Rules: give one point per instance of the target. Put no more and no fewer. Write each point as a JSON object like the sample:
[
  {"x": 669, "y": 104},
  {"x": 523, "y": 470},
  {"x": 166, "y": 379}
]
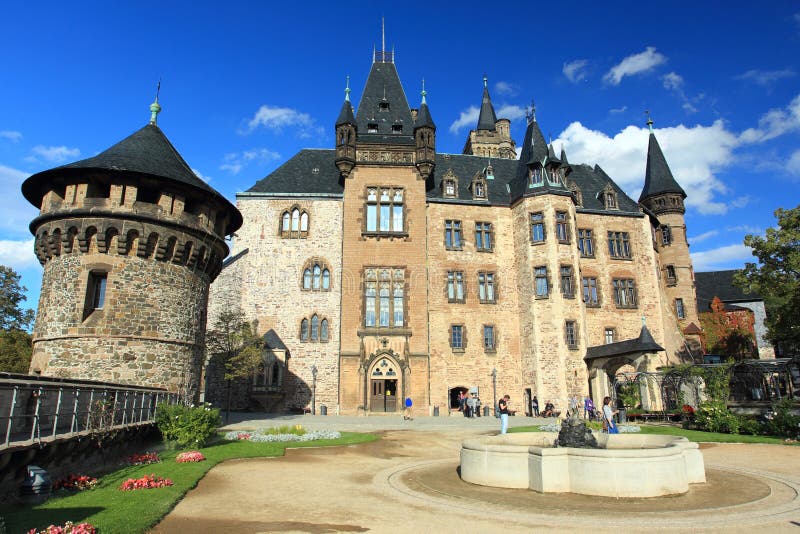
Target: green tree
[
  {"x": 12, "y": 317},
  {"x": 235, "y": 346},
  {"x": 15, "y": 351},
  {"x": 776, "y": 278}
]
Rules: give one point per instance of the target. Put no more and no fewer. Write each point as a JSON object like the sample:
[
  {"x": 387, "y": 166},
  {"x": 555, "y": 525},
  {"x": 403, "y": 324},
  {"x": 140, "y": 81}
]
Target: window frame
[
  {"x": 571, "y": 334},
  {"x": 453, "y": 231},
  {"x": 490, "y": 347},
  {"x": 462, "y": 332},
  {"x": 545, "y": 277},
  {"x": 562, "y": 227},
  {"x": 536, "y": 220},
  {"x": 294, "y": 223},
  {"x": 384, "y": 207},
  {"x": 375, "y": 282},
  {"x": 586, "y": 287},
  {"x": 619, "y": 245},
  {"x": 455, "y": 281},
  {"x": 673, "y": 279},
  {"x": 567, "y": 281},
  {"x": 609, "y": 330},
  {"x": 484, "y": 232},
  {"x": 680, "y": 308},
  {"x": 96, "y": 292},
  {"x": 666, "y": 235},
  {"x": 487, "y": 282},
  {"x": 586, "y": 237},
  {"x": 625, "y": 293}
]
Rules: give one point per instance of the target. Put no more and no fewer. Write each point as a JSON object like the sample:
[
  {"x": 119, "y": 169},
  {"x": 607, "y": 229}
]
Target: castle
[{"x": 382, "y": 269}]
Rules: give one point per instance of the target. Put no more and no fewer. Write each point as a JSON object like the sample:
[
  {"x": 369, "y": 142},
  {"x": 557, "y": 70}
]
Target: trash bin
[
  {"x": 622, "y": 415},
  {"x": 436, "y": 411},
  {"x": 486, "y": 411},
  {"x": 323, "y": 410}
]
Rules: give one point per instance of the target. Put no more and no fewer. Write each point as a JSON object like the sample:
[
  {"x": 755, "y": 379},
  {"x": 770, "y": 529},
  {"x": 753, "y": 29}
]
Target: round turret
[{"x": 130, "y": 241}]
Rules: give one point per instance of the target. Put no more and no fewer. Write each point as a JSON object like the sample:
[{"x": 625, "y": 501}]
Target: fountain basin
[{"x": 626, "y": 465}]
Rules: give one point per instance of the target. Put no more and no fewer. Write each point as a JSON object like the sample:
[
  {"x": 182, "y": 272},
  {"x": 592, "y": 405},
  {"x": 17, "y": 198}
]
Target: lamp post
[
  {"x": 313, "y": 390},
  {"x": 494, "y": 390}
]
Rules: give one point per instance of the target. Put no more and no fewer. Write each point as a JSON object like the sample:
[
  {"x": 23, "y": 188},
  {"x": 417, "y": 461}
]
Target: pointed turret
[
  {"x": 661, "y": 192},
  {"x": 541, "y": 169},
  {"x": 346, "y": 130},
  {"x": 425, "y": 138},
  {"x": 383, "y": 114},
  {"x": 563, "y": 157},
  {"x": 487, "y": 120}
]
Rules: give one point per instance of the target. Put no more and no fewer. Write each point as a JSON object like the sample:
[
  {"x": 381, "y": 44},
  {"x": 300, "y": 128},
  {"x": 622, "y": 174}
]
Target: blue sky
[{"x": 245, "y": 85}]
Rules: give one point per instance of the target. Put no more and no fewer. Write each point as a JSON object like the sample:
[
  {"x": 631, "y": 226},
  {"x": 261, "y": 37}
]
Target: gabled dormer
[
  {"x": 478, "y": 187},
  {"x": 608, "y": 196},
  {"x": 450, "y": 184}
]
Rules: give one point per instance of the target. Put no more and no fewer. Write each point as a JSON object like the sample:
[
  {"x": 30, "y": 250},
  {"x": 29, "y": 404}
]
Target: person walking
[
  {"x": 503, "y": 404},
  {"x": 535, "y": 406},
  {"x": 408, "y": 413},
  {"x": 608, "y": 417}
]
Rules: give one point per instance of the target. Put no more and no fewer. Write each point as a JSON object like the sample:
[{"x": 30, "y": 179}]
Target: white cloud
[
  {"x": 18, "y": 255},
  {"x": 774, "y": 123},
  {"x": 728, "y": 256},
  {"x": 575, "y": 71},
  {"x": 793, "y": 165},
  {"x": 506, "y": 89},
  {"x": 702, "y": 237},
  {"x": 15, "y": 211},
  {"x": 468, "y": 119},
  {"x": 623, "y": 109},
  {"x": 695, "y": 155},
  {"x": 276, "y": 119},
  {"x": 54, "y": 154},
  {"x": 634, "y": 64},
  {"x": 746, "y": 228},
  {"x": 11, "y": 135},
  {"x": 510, "y": 112},
  {"x": 236, "y": 161},
  {"x": 674, "y": 82},
  {"x": 766, "y": 78}
]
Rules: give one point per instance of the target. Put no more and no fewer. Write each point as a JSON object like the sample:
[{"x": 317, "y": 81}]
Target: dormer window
[
  {"x": 478, "y": 187},
  {"x": 609, "y": 197},
  {"x": 552, "y": 177},
  {"x": 488, "y": 172},
  {"x": 536, "y": 178},
  {"x": 372, "y": 128},
  {"x": 383, "y": 106},
  {"x": 480, "y": 190},
  {"x": 450, "y": 184},
  {"x": 397, "y": 128}
]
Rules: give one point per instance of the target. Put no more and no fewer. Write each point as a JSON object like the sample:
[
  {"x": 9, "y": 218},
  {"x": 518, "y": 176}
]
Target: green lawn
[
  {"x": 129, "y": 512},
  {"x": 691, "y": 435}
]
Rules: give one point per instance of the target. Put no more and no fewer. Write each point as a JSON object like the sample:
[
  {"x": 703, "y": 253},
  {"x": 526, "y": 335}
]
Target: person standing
[
  {"x": 535, "y": 406},
  {"x": 407, "y": 413},
  {"x": 608, "y": 417},
  {"x": 503, "y": 404}
]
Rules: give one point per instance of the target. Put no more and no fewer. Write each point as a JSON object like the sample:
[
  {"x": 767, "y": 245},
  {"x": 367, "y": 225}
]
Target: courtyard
[{"x": 409, "y": 480}]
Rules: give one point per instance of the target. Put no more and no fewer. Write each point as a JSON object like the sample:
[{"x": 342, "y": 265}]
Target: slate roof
[
  {"x": 658, "y": 178},
  {"x": 383, "y": 85},
  {"x": 424, "y": 117},
  {"x": 487, "y": 119},
  {"x": 297, "y": 175},
  {"x": 274, "y": 341},
  {"x": 346, "y": 114},
  {"x": 592, "y": 181},
  {"x": 147, "y": 152},
  {"x": 643, "y": 343},
  {"x": 720, "y": 284}
]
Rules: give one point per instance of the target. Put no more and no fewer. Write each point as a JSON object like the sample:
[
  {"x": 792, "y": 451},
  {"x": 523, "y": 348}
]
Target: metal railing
[{"x": 36, "y": 409}]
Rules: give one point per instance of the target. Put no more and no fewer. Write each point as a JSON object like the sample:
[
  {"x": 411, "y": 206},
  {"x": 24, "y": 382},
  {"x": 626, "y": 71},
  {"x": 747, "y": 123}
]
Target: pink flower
[
  {"x": 146, "y": 482},
  {"x": 191, "y": 456}
]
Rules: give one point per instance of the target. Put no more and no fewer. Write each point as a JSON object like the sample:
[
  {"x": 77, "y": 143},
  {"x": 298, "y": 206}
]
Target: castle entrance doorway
[{"x": 383, "y": 395}]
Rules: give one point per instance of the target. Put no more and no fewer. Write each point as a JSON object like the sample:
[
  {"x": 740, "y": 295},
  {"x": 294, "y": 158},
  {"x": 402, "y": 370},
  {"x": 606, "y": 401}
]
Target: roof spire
[
  {"x": 155, "y": 108},
  {"x": 424, "y": 92},
  {"x": 383, "y": 37},
  {"x": 530, "y": 113},
  {"x": 347, "y": 90},
  {"x": 485, "y": 81},
  {"x": 487, "y": 120},
  {"x": 649, "y": 120}
]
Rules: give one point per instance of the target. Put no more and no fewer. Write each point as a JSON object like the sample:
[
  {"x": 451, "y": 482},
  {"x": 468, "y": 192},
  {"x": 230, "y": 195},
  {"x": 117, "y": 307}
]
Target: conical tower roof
[
  {"x": 658, "y": 178},
  {"x": 145, "y": 152},
  {"x": 424, "y": 117},
  {"x": 564, "y": 156},
  {"x": 487, "y": 119},
  {"x": 346, "y": 115},
  {"x": 384, "y": 105},
  {"x": 534, "y": 147}
]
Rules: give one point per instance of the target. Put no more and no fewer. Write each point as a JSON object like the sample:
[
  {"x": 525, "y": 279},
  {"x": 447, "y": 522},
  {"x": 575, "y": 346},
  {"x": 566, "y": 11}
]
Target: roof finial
[
  {"x": 530, "y": 113},
  {"x": 155, "y": 107},
  {"x": 649, "y": 120},
  {"x": 347, "y": 90},
  {"x": 485, "y": 81},
  {"x": 383, "y": 37},
  {"x": 424, "y": 92},
  {"x": 644, "y": 321}
]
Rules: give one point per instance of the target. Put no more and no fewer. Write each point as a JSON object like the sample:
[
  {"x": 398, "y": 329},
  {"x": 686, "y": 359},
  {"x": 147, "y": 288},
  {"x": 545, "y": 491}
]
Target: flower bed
[
  {"x": 143, "y": 459},
  {"x": 146, "y": 482},
  {"x": 263, "y": 435},
  {"x": 75, "y": 483},
  {"x": 191, "y": 456},
  {"x": 68, "y": 528}
]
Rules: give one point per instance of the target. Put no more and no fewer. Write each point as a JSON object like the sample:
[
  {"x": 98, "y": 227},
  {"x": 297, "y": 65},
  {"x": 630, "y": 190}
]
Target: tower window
[
  {"x": 384, "y": 209},
  {"x": 372, "y": 127},
  {"x": 452, "y": 235},
  {"x": 541, "y": 283},
  {"x": 680, "y": 311},
  {"x": 586, "y": 242},
  {"x": 624, "y": 293},
  {"x": 666, "y": 235},
  {"x": 455, "y": 286},
  {"x": 672, "y": 277},
  {"x": 571, "y": 334},
  {"x": 562, "y": 227},
  {"x": 619, "y": 245},
  {"x": 397, "y": 128},
  {"x": 95, "y": 292},
  {"x": 489, "y": 344},
  {"x": 610, "y": 334},
  {"x": 383, "y": 106},
  {"x": 537, "y": 227},
  {"x": 457, "y": 337}
]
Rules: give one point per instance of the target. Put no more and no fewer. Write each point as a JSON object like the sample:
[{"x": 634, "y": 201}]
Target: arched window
[
  {"x": 304, "y": 222},
  {"x": 294, "y": 223},
  {"x": 326, "y": 279},
  {"x": 307, "y": 279},
  {"x": 317, "y": 276},
  {"x": 314, "y": 328},
  {"x": 285, "y": 222},
  {"x": 323, "y": 331},
  {"x": 295, "y": 220},
  {"x": 304, "y": 330}
]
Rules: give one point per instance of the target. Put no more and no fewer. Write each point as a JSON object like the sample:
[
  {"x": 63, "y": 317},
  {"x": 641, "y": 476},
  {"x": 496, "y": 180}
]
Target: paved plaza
[{"x": 408, "y": 481}]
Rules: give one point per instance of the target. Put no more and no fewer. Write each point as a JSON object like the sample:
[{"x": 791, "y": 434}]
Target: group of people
[
  {"x": 469, "y": 404},
  {"x": 575, "y": 405}
]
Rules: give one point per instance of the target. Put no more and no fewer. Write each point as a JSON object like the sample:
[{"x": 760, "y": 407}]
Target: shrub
[
  {"x": 75, "y": 483},
  {"x": 143, "y": 459},
  {"x": 783, "y": 422},
  {"x": 748, "y": 425},
  {"x": 191, "y": 456},
  {"x": 714, "y": 416},
  {"x": 187, "y": 425}
]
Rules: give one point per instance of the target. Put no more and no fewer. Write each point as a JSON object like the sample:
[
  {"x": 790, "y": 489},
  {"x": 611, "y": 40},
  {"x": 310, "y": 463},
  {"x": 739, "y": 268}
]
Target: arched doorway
[
  {"x": 383, "y": 384},
  {"x": 453, "y": 394}
]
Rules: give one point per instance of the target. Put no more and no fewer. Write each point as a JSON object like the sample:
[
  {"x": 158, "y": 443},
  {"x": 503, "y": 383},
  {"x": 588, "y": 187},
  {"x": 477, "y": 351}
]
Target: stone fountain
[{"x": 578, "y": 460}]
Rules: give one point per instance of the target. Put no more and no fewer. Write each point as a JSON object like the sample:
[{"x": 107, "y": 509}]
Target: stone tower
[
  {"x": 129, "y": 240},
  {"x": 492, "y": 138},
  {"x": 664, "y": 197}
]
